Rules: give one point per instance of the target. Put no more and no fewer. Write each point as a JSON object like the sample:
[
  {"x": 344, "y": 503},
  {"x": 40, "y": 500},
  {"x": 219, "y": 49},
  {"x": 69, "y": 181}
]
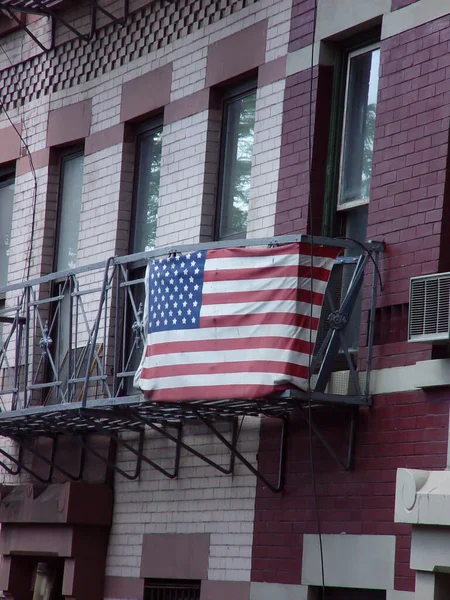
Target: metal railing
[{"x": 77, "y": 335}]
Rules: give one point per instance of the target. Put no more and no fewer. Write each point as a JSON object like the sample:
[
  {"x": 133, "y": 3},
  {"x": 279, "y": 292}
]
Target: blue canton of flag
[{"x": 175, "y": 287}]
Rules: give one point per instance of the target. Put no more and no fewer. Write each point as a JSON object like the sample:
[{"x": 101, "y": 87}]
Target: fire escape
[{"x": 71, "y": 342}]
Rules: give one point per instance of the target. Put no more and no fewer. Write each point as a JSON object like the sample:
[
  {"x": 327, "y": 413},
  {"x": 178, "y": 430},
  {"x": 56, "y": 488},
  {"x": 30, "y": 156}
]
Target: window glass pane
[
  {"x": 359, "y": 126},
  {"x": 237, "y": 165},
  {"x": 147, "y": 190},
  {"x": 6, "y": 213},
  {"x": 69, "y": 211}
]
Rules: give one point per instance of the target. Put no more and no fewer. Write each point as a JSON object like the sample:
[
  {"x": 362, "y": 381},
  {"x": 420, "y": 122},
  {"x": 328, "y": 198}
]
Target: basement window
[{"x": 163, "y": 589}]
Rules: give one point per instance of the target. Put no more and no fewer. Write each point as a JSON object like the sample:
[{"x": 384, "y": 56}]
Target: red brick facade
[{"x": 408, "y": 206}]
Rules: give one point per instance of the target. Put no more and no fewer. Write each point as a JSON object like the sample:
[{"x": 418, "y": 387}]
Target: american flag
[{"x": 233, "y": 323}]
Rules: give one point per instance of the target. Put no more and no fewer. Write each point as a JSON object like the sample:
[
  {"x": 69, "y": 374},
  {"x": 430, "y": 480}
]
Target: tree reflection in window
[
  {"x": 147, "y": 189},
  {"x": 237, "y": 152}
]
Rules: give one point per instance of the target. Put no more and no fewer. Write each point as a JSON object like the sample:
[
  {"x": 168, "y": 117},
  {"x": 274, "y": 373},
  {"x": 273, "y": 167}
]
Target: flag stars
[{"x": 175, "y": 295}]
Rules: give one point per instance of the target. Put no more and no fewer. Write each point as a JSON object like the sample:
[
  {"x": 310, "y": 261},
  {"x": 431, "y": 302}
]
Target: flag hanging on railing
[{"x": 235, "y": 323}]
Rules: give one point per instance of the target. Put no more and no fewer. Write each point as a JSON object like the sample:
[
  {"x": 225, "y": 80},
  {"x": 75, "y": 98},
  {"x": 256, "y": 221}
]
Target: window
[
  {"x": 238, "y": 133},
  {"x": 171, "y": 590},
  {"x": 359, "y": 126},
  {"x": 349, "y": 594},
  {"x": 66, "y": 254},
  {"x": 349, "y": 168},
  {"x": 6, "y": 214},
  {"x": 146, "y": 188},
  {"x": 143, "y": 236},
  {"x": 69, "y": 209}
]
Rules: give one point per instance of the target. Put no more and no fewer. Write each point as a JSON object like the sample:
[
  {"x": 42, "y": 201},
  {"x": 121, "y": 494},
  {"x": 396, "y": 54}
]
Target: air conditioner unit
[{"x": 429, "y": 309}]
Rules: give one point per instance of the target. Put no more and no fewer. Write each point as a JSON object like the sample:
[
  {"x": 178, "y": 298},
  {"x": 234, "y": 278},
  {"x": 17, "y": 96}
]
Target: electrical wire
[
  {"x": 27, "y": 266},
  {"x": 311, "y": 233},
  {"x": 342, "y": 237}
]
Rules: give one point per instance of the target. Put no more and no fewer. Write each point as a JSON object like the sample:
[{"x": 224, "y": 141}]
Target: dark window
[
  {"x": 332, "y": 593},
  {"x": 172, "y": 590},
  {"x": 143, "y": 238},
  {"x": 60, "y": 322},
  {"x": 349, "y": 169},
  {"x": 238, "y": 133},
  {"x": 69, "y": 209},
  {"x": 359, "y": 126},
  {"x": 6, "y": 214},
  {"x": 146, "y": 188}
]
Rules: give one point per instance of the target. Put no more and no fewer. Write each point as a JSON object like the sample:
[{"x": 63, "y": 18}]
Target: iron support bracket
[{"x": 347, "y": 465}]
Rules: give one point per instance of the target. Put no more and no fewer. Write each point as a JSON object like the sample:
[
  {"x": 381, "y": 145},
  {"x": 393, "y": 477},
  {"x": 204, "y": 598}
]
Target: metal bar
[
  {"x": 140, "y": 455},
  {"x": 27, "y": 345},
  {"x": 113, "y": 465},
  {"x": 190, "y": 449},
  {"x": 345, "y": 310},
  {"x": 21, "y": 465},
  {"x": 93, "y": 337},
  {"x": 25, "y": 28},
  {"x": 51, "y": 462},
  {"x": 244, "y": 461},
  {"x": 370, "y": 335},
  {"x": 120, "y": 260},
  {"x": 346, "y": 466},
  {"x": 11, "y": 320},
  {"x": 117, "y": 20}
]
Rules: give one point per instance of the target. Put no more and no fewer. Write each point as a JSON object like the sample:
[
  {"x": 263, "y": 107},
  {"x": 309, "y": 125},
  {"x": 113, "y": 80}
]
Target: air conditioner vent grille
[{"x": 429, "y": 308}]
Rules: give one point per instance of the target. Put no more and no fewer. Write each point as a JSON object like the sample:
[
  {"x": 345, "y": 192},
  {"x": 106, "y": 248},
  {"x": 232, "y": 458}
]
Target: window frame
[
  {"x": 231, "y": 95},
  {"x": 144, "y": 130},
  {"x": 340, "y": 205},
  {"x": 332, "y": 217},
  {"x": 70, "y": 153},
  {"x": 8, "y": 176}
]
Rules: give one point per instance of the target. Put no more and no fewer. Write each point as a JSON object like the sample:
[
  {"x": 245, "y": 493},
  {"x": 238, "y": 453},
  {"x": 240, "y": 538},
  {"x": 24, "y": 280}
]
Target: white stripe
[
  {"x": 250, "y": 285},
  {"x": 225, "y": 333},
  {"x": 217, "y": 379},
  {"x": 260, "y": 308},
  {"x": 258, "y": 262},
  {"x": 268, "y": 283},
  {"x": 227, "y": 356}
]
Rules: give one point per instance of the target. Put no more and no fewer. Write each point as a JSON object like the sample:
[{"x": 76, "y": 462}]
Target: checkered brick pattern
[{"x": 75, "y": 62}]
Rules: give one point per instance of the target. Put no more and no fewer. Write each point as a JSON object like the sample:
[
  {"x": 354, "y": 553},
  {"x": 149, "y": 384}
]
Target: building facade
[{"x": 128, "y": 127}]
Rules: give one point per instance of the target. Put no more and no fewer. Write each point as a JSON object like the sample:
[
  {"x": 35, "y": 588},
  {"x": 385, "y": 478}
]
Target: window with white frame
[
  {"x": 361, "y": 92},
  {"x": 236, "y": 152}
]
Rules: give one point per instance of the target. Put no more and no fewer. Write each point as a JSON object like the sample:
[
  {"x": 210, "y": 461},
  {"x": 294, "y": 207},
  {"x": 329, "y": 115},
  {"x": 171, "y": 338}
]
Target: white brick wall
[
  {"x": 201, "y": 500},
  {"x": 266, "y": 160},
  {"x": 181, "y": 184}
]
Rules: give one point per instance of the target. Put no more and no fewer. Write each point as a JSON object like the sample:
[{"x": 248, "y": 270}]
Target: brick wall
[
  {"x": 200, "y": 500},
  {"x": 400, "y": 430},
  {"x": 409, "y": 177}
]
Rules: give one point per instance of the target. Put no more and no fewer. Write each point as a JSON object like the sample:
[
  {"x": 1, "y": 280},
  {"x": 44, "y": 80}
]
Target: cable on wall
[
  {"x": 29, "y": 253},
  {"x": 311, "y": 226}
]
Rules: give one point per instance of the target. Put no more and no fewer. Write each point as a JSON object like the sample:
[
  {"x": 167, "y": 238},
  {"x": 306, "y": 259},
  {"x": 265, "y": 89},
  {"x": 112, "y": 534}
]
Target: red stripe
[
  {"x": 263, "y": 366},
  {"x": 268, "y": 272},
  {"x": 215, "y": 392},
  {"x": 294, "y": 248},
  {"x": 262, "y": 296},
  {"x": 322, "y": 251},
  {"x": 253, "y": 252},
  {"x": 221, "y": 345},
  {"x": 259, "y": 319}
]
